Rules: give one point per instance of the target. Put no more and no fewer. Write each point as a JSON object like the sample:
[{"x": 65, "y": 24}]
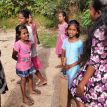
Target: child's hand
[
  {"x": 80, "y": 89},
  {"x": 67, "y": 67}
]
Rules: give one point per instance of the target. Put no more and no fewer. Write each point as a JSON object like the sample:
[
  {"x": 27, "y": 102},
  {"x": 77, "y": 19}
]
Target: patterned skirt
[{"x": 95, "y": 94}]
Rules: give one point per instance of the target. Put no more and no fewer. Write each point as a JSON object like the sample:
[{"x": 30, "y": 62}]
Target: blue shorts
[{"x": 25, "y": 73}]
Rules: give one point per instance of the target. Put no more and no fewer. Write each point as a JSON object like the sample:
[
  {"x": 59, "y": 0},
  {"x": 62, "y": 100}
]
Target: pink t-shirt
[{"x": 24, "y": 55}]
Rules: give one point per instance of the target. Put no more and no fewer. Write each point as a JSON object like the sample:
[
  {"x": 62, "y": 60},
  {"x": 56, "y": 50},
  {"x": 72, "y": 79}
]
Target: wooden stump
[{"x": 63, "y": 91}]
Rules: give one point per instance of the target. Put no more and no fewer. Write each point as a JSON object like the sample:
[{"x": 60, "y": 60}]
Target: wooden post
[{"x": 63, "y": 90}]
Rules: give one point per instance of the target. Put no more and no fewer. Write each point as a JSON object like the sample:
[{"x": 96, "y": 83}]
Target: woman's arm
[
  {"x": 95, "y": 61},
  {"x": 14, "y": 55},
  {"x": 88, "y": 74},
  {"x": 84, "y": 81}
]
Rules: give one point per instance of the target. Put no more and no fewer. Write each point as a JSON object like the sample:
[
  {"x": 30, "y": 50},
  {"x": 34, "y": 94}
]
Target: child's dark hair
[
  {"x": 77, "y": 25},
  {"x": 18, "y": 31},
  {"x": 64, "y": 14},
  {"x": 99, "y": 6},
  {"x": 25, "y": 13}
]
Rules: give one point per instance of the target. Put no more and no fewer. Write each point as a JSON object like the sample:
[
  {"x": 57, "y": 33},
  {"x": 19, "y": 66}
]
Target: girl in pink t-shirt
[
  {"x": 24, "y": 17},
  {"x": 62, "y": 17},
  {"x": 24, "y": 66}
]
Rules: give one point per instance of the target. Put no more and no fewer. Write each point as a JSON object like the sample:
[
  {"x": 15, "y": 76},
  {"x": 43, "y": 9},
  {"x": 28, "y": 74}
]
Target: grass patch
[
  {"x": 47, "y": 40},
  {"x": 9, "y": 23},
  {"x": 40, "y": 19},
  {"x": 44, "y": 21}
]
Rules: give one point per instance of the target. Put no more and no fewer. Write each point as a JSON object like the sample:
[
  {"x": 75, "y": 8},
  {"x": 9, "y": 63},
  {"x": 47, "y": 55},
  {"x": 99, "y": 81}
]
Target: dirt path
[{"x": 49, "y": 96}]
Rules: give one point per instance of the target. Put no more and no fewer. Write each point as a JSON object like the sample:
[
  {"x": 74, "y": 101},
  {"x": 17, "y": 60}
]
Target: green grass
[
  {"x": 9, "y": 23},
  {"x": 47, "y": 40},
  {"x": 44, "y": 21},
  {"x": 40, "y": 19}
]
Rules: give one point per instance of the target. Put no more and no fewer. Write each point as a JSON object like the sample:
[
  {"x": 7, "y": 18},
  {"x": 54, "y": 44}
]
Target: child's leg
[
  {"x": 23, "y": 88},
  {"x": 26, "y": 99},
  {"x": 32, "y": 90},
  {"x": 42, "y": 79}
]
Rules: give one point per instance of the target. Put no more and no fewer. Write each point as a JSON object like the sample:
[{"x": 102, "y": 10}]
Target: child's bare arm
[
  {"x": 38, "y": 41},
  {"x": 63, "y": 57},
  {"x": 14, "y": 55},
  {"x": 75, "y": 63},
  {"x": 67, "y": 67}
]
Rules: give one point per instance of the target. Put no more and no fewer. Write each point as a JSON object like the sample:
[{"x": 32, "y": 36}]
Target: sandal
[
  {"x": 30, "y": 99},
  {"x": 28, "y": 102},
  {"x": 36, "y": 91},
  {"x": 42, "y": 83},
  {"x": 18, "y": 82}
]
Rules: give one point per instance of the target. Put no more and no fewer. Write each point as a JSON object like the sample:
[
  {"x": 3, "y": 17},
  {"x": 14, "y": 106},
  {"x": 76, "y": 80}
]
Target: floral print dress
[{"x": 95, "y": 94}]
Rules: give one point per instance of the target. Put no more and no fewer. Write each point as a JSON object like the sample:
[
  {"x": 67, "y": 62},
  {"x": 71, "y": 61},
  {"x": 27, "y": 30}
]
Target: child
[
  {"x": 61, "y": 33},
  {"x": 34, "y": 29},
  {"x": 90, "y": 85},
  {"x": 71, "y": 51},
  {"x": 35, "y": 59},
  {"x": 23, "y": 17},
  {"x": 24, "y": 66},
  {"x": 3, "y": 84}
]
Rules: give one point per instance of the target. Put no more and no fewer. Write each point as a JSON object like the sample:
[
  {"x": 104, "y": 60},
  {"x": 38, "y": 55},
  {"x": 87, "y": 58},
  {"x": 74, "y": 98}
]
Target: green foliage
[
  {"x": 9, "y": 8},
  {"x": 86, "y": 21},
  {"x": 48, "y": 40},
  {"x": 83, "y": 16},
  {"x": 47, "y": 8}
]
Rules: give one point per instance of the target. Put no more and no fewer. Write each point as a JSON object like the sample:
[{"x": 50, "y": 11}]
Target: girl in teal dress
[{"x": 71, "y": 51}]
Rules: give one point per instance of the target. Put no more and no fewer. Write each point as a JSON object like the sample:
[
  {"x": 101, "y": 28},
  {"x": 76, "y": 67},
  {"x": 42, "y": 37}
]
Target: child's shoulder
[
  {"x": 18, "y": 42},
  {"x": 65, "y": 40},
  {"x": 80, "y": 42}
]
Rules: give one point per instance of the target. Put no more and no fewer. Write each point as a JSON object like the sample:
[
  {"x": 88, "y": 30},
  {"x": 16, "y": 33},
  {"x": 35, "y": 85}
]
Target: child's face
[
  {"x": 22, "y": 19},
  {"x": 93, "y": 14},
  {"x": 24, "y": 35},
  {"x": 72, "y": 30},
  {"x": 30, "y": 19},
  {"x": 61, "y": 18}
]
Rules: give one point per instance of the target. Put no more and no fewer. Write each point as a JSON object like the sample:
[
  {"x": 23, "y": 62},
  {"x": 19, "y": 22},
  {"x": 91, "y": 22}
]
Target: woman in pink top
[
  {"x": 24, "y": 65},
  {"x": 61, "y": 33}
]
